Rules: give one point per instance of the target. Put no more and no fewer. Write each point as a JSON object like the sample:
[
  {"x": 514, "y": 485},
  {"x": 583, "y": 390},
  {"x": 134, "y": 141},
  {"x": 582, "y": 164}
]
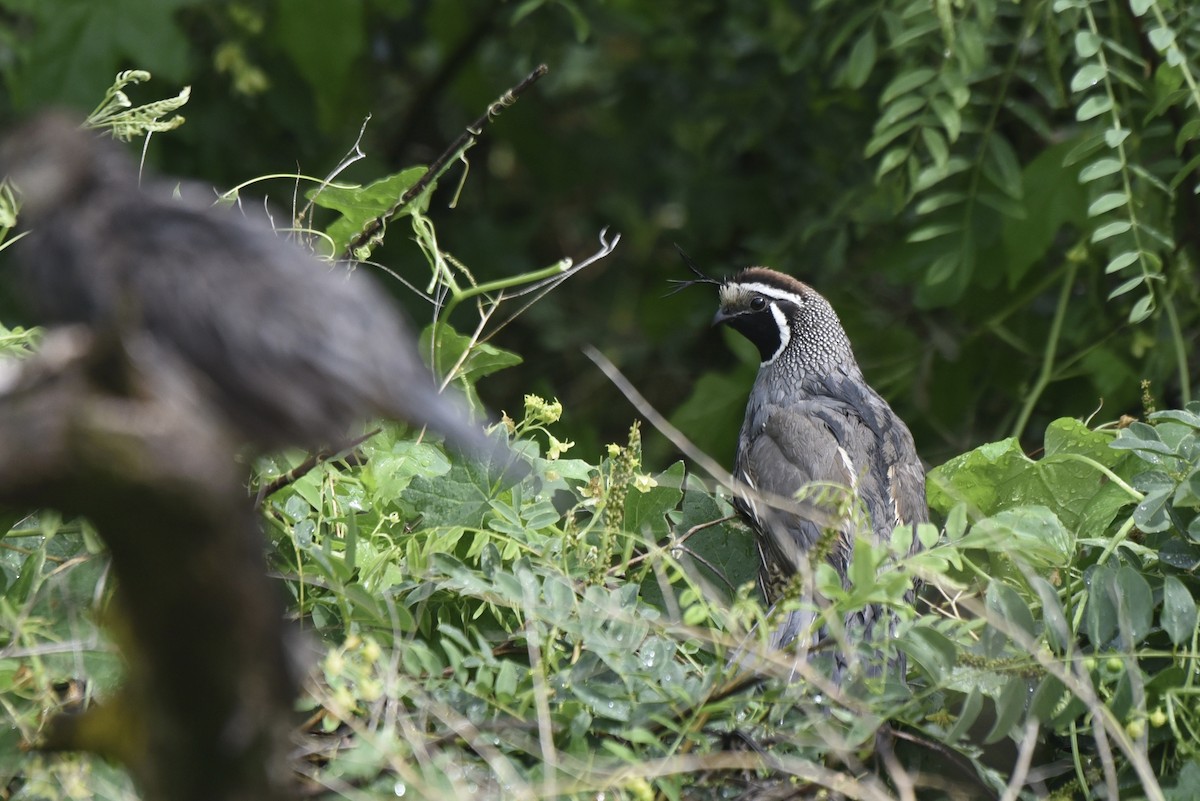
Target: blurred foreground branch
[{"x": 116, "y": 432}]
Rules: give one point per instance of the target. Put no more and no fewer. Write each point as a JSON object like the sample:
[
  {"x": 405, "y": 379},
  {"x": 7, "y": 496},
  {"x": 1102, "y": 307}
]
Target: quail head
[
  {"x": 812, "y": 420},
  {"x": 291, "y": 350}
]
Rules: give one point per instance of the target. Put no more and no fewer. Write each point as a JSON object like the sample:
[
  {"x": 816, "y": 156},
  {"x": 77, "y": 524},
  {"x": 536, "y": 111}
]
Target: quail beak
[{"x": 722, "y": 316}]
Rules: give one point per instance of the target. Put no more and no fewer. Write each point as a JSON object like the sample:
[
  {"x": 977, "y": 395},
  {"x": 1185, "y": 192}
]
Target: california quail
[
  {"x": 812, "y": 419},
  {"x": 291, "y": 350}
]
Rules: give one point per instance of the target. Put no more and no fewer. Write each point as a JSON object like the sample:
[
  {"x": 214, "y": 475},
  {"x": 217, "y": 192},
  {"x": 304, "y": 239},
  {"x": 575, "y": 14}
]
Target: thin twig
[
  {"x": 458, "y": 146},
  {"x": 300, "y": 470}
]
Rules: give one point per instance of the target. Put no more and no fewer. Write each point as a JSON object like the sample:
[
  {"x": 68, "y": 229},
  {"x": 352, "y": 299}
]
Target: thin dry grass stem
[
  {"x": 1024, "y": 759},
  {"x": 541, "y": 695},
  {"x": 896, "y": 772},
  {"x": 867, "y": 788}
]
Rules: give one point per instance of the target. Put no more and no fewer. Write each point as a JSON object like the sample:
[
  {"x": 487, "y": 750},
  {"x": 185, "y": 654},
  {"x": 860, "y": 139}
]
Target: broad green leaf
[
  {"x": 469, "y": 360},
  {"x": 359, "y": 205},
  {"x": 461, "y": 497},
  {"x": 1052, "y": 198},
  {"x": 1179, "y": 611},
  {"x": 646, "y": 512},
  {"x": 978, "y": 477},
  {"x": 1031, "y": 534},
  {"x": 728, "y": 548},
  {"x": 323, "y": 40},
  {"x": 1140, "y": 7},
  {"x": 1153, "y": 512}
]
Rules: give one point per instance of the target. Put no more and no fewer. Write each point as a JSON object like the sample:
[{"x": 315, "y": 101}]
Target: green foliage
[{"x": 997, "y": 197}]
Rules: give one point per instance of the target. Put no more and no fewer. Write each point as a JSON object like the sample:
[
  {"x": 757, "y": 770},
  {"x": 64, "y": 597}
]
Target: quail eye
[{"x": 758, "y": 303}]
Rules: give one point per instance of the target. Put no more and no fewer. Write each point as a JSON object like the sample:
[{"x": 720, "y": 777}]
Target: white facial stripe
[
  {"x": 785, "y": 332},
  {"x": 772, "y": 292}
]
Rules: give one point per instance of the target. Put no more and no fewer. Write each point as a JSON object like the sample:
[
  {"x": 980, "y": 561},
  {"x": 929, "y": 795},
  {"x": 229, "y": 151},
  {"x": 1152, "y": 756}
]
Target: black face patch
[{"x": 760, "y": 328}]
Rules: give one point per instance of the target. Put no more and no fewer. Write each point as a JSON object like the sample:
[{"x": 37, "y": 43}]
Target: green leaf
[
  {"x": 1121, "y": 261},
  {"x": 729, "y": 548},
  {"x": 1127, "y": 286},
  {"x": 1107, "y": 202},
  {"x": 948, "y": 116},
  {"x": 1153, "y": 512},
  {"x": 1135, "y": 605},
  {"x": 1084, "y": 148},
  {"x": 967, "y": 716},
  {"x": 1088, "y": 76},
  {"x": 324, "y": 40},
  {"x": 1109, "y": 230},
  {"x": 1099, "y": 169},
  {"x": 936, "y": 145},
  {"x": 1179, "y": 611},
  {"x": 1140, "y": 7},
  {"x": 933, "y": 231},
  {"x": 1006, "y": 608},
  {"x": 890, "y": 161},
  {"x": 1050, "y": 695},
  {"x": 860, "y": 62},
  {"x": 1093, "y": 107},
  {"x": 481, "y": 359},
  {"x": 938, "y": 201},
  {"x": 1087, "y": 44},
  {"x": 1052, "y": 198},
  {"x": 1004, "y": 168},
  {"x": 461, "y": 497},
  {"x": 1142, "y": 309},
  {"x": 1032, "y": 534},
  {"x": 1114, "y": 137},
  {"x": 81, "y": 45},
  {"x": 1161, "y": 38},
  {"x": 1010, "y": 706},
  {"x": 646, "y": 512},
  {"x": 906, "y": 82},
  {"x": 1054, "y": 618},
  {"x": 359, "y": 205},
  {"x": 929, "y": 649},
  {"x": 900, "y": 109}
]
